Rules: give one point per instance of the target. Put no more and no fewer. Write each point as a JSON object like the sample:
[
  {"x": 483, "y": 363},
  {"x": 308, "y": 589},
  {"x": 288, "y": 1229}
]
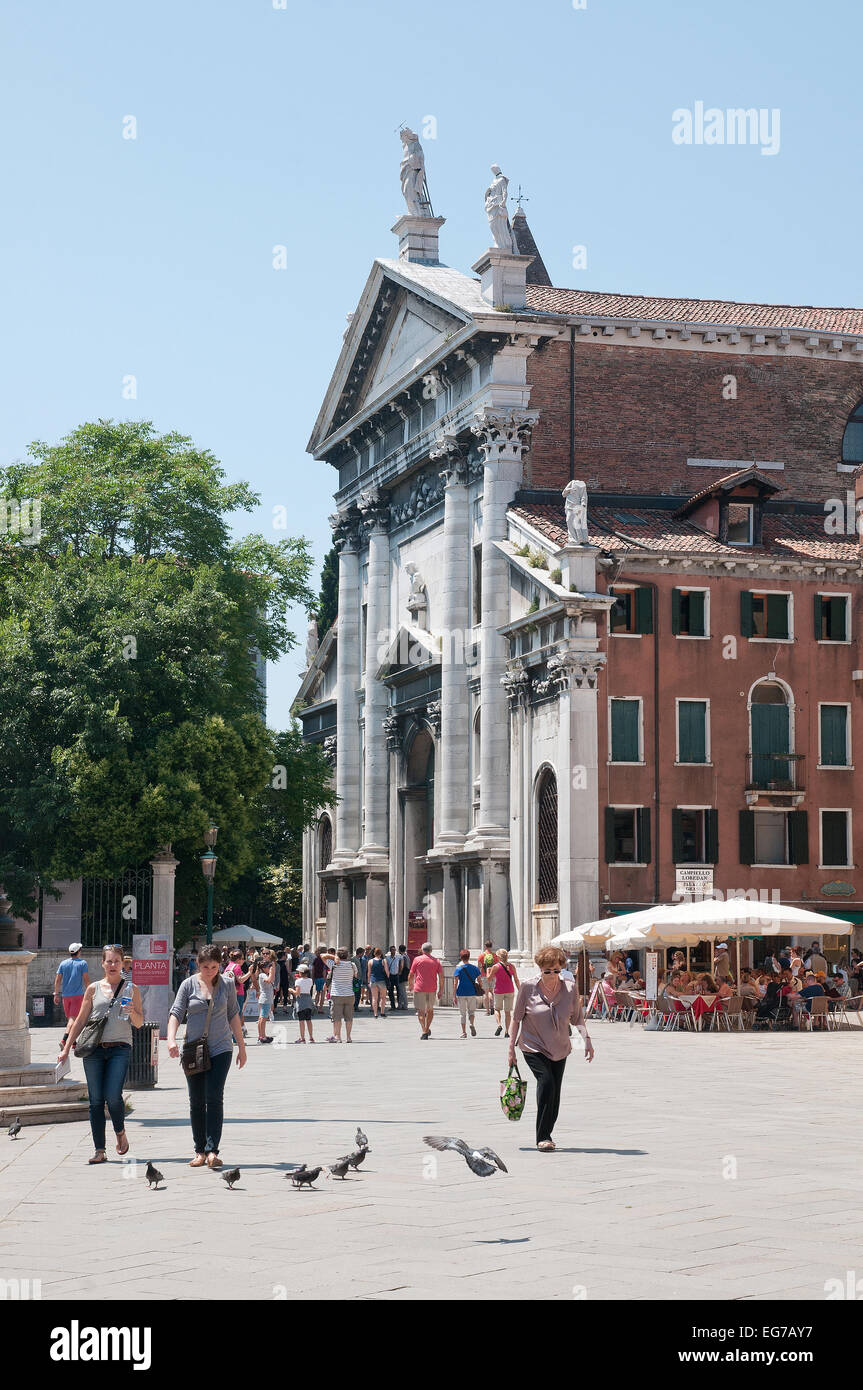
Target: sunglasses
[{"x": 555, "y": 971}]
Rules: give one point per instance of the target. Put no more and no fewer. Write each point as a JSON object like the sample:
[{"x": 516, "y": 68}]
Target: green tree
[
  {"x": 328, "y": 598},
  {"x": 130, "y": 711}
]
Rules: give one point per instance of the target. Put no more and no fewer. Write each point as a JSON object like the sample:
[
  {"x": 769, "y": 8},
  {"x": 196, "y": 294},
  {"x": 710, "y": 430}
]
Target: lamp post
[{"x": 208, "y": 868}]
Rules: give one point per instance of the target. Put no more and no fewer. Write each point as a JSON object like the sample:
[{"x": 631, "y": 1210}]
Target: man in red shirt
[{"x": 426, "y": 979}]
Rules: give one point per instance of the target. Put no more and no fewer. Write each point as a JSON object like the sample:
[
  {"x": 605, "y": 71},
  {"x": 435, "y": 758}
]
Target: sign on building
[
  {"x": 151, "y": 972},
  {"x": 693, "y": 883}
]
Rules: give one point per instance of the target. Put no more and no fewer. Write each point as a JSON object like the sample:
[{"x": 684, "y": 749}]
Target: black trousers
[
  {"x": 206, "y": 1103},
  {"x": 549, "y": 1080},
  {"x": 392, "y": 991}
]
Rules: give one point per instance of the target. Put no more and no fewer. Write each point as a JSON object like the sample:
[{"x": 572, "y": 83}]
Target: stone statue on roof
[
  {"x": 312, "y": 643},
  {"x": 575, "y": 505},
  {"x": 495, "y": 207},
  {"x": 413, "y": 174}
]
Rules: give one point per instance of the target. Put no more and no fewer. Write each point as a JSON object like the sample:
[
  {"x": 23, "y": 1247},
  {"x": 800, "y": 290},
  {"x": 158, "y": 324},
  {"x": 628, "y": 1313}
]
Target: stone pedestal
[
  {"x": 503, "y": 278},
  {"x": 14, "y": 1034},
  {"x": 578, "y": 567},
  {"x": 418, "y": 238}
]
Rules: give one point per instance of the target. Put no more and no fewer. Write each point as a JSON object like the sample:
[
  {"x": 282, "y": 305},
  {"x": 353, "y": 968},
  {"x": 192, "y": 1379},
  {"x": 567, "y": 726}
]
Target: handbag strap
[
  {"x": 207, "y": 1024},
  {"x": 114, "y": 998}
]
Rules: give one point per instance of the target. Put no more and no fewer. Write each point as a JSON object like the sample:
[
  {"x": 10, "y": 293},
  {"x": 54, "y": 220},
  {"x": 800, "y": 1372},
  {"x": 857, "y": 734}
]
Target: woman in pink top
[
  {"x": 506, "y": 982},
  {"x": 540, "y": 1025}
]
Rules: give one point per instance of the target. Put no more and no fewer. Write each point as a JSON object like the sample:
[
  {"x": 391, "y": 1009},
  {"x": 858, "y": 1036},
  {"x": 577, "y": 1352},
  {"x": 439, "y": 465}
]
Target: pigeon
[
  {"x": 12, "y": 1131},
  {"x": 339, "y": 1170},
  {"x": 304, "y": 1174},
  {"x": 154, "y": 1176},
  {"x": 230, "y": 1177},
  {"x": 483, "y": 1162},
  {"x": 355, "y": 1159},
  {"x": 361, "y": 1140}
]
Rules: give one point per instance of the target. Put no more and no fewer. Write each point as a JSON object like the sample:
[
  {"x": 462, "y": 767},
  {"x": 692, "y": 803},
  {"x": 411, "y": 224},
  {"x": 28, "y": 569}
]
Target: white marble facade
[{"x": 446, "y": 695}]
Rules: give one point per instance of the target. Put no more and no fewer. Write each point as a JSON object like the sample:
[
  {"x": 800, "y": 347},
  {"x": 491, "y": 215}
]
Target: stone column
[
  {"x": 453, "y": 770},
  {"x": 345, "y": 915},
  {"x": 415, "y": 850},
  {"x": 376, "y": 517},
  {"x": 377, "y": 916},
  {"x": 347, "y": 815},
  {"x": 14, "y": 1036},
  {"x": 157, "y": 999},
  {"x": 504, "y": 437},
  {"x": 576, "y": 675},
  {"x": 517, "y": 686}
]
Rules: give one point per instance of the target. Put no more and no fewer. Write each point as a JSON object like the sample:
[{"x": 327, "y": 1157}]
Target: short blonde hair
[
  {"x": 550, "y": 955},
  {"x": 503, "y": 955}
]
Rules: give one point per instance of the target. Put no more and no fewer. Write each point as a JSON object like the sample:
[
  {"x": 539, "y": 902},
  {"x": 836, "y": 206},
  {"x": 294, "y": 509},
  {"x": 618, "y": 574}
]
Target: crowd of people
[{"x": 780, "y": 990}]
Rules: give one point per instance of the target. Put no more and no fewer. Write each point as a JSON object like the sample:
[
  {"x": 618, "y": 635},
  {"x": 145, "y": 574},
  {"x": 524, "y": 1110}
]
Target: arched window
[
  {"x": 546, "y": 838},
  {"x": 325, "y": 854},
  {"x": 770, "y": 736},
  {"x": 852, "y": 439}
]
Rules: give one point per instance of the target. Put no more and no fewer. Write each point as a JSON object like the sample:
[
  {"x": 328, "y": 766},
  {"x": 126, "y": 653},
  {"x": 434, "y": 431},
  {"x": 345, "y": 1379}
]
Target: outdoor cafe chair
[
  {"x": 819, "y": 1008},
  {"x": 842, "y": 1007},
  {"x": 731, "y": 1013}
]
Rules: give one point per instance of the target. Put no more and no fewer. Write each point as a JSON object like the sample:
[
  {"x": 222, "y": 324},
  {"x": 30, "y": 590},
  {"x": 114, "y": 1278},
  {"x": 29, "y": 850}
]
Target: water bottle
[{"x": 125, "y": 1002}]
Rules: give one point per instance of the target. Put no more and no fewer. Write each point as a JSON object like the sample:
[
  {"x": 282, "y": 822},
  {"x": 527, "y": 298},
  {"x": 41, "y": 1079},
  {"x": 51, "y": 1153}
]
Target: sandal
[
  {"x": 546, "y": 1146},
  {"x": 213, "y": 1161},
  {"x": 122, "y": 1137},
  {"x": 99, "y": 1157},
  {"x": 198, "y": 1161}
]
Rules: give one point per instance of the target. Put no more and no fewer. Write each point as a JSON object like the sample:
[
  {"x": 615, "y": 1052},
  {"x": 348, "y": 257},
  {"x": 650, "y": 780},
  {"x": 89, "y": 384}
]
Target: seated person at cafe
[
  {"x": 705, "y": 984},
  {"x": 749, "y": 991},
  {"x": 674, "y": 985},
  {"x": 772, "y": 1001},
  {"x": 726, "y": 988}
]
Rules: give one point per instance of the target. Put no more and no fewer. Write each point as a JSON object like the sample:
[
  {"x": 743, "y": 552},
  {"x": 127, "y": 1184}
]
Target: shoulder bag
[
  {"x": 195, "y": 1057},
  {"x": 90, "y": 1036}
]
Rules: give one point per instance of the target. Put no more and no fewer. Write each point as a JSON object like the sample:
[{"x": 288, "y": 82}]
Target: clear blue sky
[{"x": 259, "y": 126}]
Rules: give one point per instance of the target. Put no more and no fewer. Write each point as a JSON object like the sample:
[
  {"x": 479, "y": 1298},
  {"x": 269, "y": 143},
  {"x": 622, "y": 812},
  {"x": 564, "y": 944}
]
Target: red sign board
[
  {"x": 151, "y": 972},
  {"x": 416, "y": 932}
]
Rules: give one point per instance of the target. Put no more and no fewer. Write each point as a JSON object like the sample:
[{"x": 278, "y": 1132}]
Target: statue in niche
[
  {"x": 575, "y": 505},
  {"x": 495, "y": 207},
  {"x": 413, "y": 175},
  {"x": 417, "y": 601}
]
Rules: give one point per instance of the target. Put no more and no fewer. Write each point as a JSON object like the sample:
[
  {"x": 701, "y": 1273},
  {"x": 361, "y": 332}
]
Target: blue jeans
[
  {"x": 206, "y": 1109},
  {"x": 106, "y": 1071}
]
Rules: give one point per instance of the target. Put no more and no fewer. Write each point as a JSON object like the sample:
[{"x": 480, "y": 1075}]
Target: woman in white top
[{"x": 303, "y": 993}]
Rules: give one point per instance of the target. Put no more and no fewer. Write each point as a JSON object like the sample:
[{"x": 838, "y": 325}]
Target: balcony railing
[{"x": 774, "y": 772}]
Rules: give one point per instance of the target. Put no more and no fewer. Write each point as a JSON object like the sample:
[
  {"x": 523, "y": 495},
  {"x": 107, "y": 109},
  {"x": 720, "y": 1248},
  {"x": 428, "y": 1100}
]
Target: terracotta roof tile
[
  {"x": 594, "y": 303},
  {"x": 644, "y": 528}
]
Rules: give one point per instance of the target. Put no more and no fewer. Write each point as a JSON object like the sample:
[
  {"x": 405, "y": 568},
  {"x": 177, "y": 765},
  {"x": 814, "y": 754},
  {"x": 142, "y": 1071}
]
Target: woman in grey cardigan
[{"x": 206, "y": 1090}]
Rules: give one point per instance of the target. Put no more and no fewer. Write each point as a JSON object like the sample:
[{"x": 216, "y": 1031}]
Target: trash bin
[
  {"x": 42, "y": 1011},
  {"x": 143, "y": 1070}
]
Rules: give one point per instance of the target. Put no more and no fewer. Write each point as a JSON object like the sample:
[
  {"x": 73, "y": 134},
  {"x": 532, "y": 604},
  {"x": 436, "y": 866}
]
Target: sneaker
[
  {"x": 333, "y": 1039},
  {"x": 464, "y": 1037},
  {"x": 423, "y": 1036},
  {"x": 498, "y": 1031},
  {"x": 472, "y": 1031}
]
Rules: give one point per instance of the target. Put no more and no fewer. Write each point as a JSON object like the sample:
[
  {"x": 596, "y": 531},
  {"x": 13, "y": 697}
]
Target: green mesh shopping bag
[{"x": 513, "y": 1093}]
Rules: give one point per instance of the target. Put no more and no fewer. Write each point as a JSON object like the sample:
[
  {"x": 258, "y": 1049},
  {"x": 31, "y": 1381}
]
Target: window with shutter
[
  {"x": 831, "y": 618},
  {"x": 644, "y": 610},
  {"x": 642, "y": 828},
  {"x": 712, "y": 835},
  {"x": 798, "y": 837},
  {"x": 747, "y": 621},
  {"x": 547, "y": 838},
  {"x": 777, "y": 616},
  {"x": 747, "y": 837},
  {"x": 771, "y": 836},
  {"x": 690, "y": 836},
  {"x": 692, "y": 731},
  {"x": 625, "y": 719},
  {"x": 688, "y": 610},
  {"x": 623, "y": 836},
  {"x": 835, "y": 839},
  {"x": 834, "y": 736}
]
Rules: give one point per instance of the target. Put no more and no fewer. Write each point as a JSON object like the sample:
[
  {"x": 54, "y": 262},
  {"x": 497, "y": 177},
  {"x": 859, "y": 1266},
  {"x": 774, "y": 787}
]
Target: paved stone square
[{"x": 641, "y": 1200}]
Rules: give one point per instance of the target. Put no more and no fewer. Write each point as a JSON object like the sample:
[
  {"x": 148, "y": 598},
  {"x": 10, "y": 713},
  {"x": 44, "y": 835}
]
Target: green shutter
[
  {"x": 834, "y": 751},
  {"x": 624, "y": 731},
  {"x": 834, "y": 838},
  {"x": 711, "y": 827},
  {"x": 675, "y": 611},
  {"x": 838, "y": 611},
  {"x": 747, "y": 627},
  {"x": 692, "y": 731},
  {"x": 696, "y": 615},
  {"x": 777, "y": 615},
  {"x": 676, "y": 836},
  {"x": 642, "y": 829},
  {"x": 609, "y": 834},
  {"x": 798, "y": 837},
  {"x": 816, "y": 604},
  {"x": 747, "y": 837},
  {"x": 643, "y": 610}
]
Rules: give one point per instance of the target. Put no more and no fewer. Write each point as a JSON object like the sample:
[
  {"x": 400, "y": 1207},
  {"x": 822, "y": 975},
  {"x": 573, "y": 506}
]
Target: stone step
[
  {"x": 53, "y": 1113},
  {"x": 34, "y": 1074},
  {"x": 61, "y": 1093}
]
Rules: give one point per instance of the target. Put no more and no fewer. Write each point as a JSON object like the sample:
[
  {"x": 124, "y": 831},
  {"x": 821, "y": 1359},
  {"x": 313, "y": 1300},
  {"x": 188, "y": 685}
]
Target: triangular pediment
[
  {"x": 410, "y": 649},
  {"x": 417, "y": 330},
  {"x": 405, "y": 316}
]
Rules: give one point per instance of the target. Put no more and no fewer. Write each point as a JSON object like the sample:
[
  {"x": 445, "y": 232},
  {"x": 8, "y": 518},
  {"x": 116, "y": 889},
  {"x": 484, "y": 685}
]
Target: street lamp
[{"x": 208, "y": 868}]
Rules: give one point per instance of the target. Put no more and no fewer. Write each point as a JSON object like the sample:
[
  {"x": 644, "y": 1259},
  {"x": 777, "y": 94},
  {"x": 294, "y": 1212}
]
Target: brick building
[{"x": 532, "y": 723}]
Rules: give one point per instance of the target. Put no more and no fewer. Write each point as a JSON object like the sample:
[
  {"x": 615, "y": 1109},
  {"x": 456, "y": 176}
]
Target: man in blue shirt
[
  {"x": 70, "y": 982},
  {"x": 465, "y": 976}
]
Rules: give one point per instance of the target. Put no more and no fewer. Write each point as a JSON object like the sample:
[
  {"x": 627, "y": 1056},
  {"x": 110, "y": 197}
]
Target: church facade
[{"x": 554, "y": 508}]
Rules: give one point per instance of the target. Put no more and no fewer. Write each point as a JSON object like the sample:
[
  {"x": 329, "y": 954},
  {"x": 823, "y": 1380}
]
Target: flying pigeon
[
  {"x": 354, "y": 1159},
  {"x": 154, "y": 1176},
  {"x": 304, "y": 1174},
  {"x": 230, "y": 1177},
  {"x": 12, "y": 1131},
  {"x": 339, "y": 1170},
  {"x": 361, "y": 1140},
  {"x": 480, "y": 1161}
]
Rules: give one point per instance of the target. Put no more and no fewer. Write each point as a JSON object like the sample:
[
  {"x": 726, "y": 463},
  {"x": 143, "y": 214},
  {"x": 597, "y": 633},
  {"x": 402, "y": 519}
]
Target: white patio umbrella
[{"x": 247, "y": 935}]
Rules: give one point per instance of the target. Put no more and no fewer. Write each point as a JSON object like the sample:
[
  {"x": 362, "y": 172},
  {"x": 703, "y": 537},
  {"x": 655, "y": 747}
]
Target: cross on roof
[{"x": 521, "y": 199}]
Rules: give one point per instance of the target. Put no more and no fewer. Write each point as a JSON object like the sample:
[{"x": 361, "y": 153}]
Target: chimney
[{"x": 418, "y": 238}]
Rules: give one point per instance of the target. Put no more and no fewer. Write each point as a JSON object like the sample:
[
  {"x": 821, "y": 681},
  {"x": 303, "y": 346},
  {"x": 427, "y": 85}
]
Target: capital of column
[
  {"x": 392, "y": 729},
  {"x": 374, "y": 511},
  {"x": 330, "y": 745},
  {"x": 504, "y": 434},
  {"x": 575, "y": 670},
  {"x": 346, "y": 529},
  {"x": 455, "y": 459},
  {"x": 517, "y": 686},
  {"x": 433, "y": 715}
]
